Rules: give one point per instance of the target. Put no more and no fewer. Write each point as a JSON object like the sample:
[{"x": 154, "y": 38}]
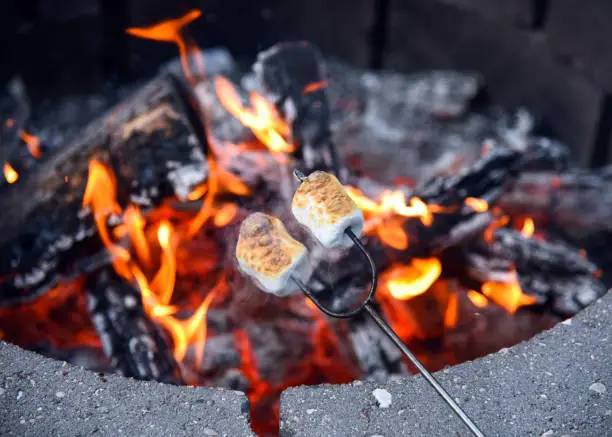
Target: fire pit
[{"x": 118, "y": 240}]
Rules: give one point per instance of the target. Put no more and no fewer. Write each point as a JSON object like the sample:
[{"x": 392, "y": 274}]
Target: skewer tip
[{"x": 301, "y": 177}]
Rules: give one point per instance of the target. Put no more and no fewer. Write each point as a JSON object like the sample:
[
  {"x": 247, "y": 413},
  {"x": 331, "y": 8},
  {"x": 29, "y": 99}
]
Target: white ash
[
  {"x": 185, "y": 178},
  {"x": 383, "y": 397}
]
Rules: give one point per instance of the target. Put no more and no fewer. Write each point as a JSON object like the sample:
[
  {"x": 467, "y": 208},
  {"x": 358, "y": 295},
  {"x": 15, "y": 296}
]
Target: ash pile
[{"x": 118, "y": 233}]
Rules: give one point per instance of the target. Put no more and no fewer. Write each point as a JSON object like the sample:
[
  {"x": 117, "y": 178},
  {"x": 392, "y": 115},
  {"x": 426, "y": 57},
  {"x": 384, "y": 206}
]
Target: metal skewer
[{"x": 389, "y": 332}]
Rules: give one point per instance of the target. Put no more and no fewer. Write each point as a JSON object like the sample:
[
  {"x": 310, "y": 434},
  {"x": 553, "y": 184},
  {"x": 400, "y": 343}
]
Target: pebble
[
  {"x": 310, "y": 411},
  {"x": 598, "y": 387},
  {"x": 60, "y": 394},
  {"x": 19, "y": 395},
  {"x": 209, "y": 431},
  {"x": 549, "y": 433},
  {"x": 383, "y": 397}
]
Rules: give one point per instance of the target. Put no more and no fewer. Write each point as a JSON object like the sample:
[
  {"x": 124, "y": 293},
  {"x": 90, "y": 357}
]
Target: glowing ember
[
  {"x": 507, "y": 295},
  {"x": 10, "y": 174},
  {"x": 32, "y": 142},
  {"x": 478, "y": 205},
  {"x": 262, "y": 118},
  {"x": 477, "y": 299},
  {"x": 407, "y": 281},
  {"x": 315, "y": 86}
]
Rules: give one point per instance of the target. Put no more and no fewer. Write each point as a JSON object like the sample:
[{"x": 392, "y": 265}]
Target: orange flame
[
  {"x": 225, "y": 214},
  {"x": 32, "y": 142},
  {"x": 10, "y": 174},
  {"x": 477, "y": 299},
  {"x": 157, "y": 293},
  {"x": 262, "y": 118},
  {"x": 478, "y": 205},
  {"x": 528, "y": 227},
  {"x": 163, "y": 282},
  {"x": 386, "y": 216},
  {"x": 452, "y": 311},
  {"x": 100, "y": 196},
  {"x": 407, "y": 281},
  {"x": 499, "y": 222},
  {"x": 136, "y": 223},
  {"x": 170, "y": 31},
  {"x": 507, "y": 295}
]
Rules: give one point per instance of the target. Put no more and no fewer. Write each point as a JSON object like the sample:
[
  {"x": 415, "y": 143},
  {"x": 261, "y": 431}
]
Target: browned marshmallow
[
  {"x": 322, "y": 205},
  {"x": 266, "y": 252}
]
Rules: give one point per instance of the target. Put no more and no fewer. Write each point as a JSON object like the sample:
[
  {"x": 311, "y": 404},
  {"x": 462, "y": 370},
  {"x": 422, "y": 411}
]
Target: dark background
[{"x": 553, "y": 56}]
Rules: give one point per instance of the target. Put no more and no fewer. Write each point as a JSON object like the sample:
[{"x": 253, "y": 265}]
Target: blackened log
[
  {"x": 155, "y": 144},
  {"x": 578, "y": 201},
  {"x": 294, "y": 78},
  {"x": 555, "y": 273},
  {"x": 133, "y": 343},
  {"x": 486, "y": 179}
]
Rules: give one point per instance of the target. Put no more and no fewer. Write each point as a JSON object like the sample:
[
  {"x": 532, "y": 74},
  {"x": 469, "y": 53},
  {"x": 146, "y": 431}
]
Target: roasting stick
[
  {"x": 266, "y": 252},
  {"x": 367, "y": 305}
]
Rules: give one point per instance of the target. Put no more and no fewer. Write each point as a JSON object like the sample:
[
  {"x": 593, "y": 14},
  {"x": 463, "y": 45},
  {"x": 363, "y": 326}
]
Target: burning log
[
  {"x": 577, "y": 201},
  {"x": 155, "y": 144},
  {"x": 134, "y": 344},
  {"x": 553, "y": 272},
  {"x": 294, "y": 78}
]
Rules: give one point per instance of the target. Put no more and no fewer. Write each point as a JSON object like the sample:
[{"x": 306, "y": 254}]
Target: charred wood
[
  {"x": 133, "y": 343},
  {"x": 555, "y": 273},
  {"x": 376, "y": 355},
  {"x": 155, "y": 145},
  {"x": 577, "y": 201},
  {"x": 294, "y": 77}
]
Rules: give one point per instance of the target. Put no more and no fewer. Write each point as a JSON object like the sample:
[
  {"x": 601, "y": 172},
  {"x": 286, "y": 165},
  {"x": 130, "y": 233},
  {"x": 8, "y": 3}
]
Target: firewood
[
  {"x": 133, "y": 343},
  {"x": 154, "y": 143},
  {"x": 555, "y": 273},
  {"x": 576, "y": 201},
  {"x": 294, "y": 77}
]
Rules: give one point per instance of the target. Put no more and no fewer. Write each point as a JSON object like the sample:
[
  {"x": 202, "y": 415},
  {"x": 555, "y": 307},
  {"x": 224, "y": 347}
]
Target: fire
[
  {"x": 452, "y": 311},
  {"x": 158, "y": 288},
  {"x": 171, "y": 31},
  {"x": 262, "y": 117},
  {"x": 507, "y": 295},
  {"x": 478, "y": 205},
  {"x": 477, "y": 299},
  {"x": 10, "y": 174},
  {"x": 407, "y": 281},
  {"x": 32, "y": 142},
  {"x": 528, "y": 227},
  {"x": 386, "y": 216},
  {"x": 163, "y": 282}
]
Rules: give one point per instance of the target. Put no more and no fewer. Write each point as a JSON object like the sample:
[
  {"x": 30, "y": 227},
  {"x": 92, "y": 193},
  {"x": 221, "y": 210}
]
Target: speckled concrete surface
[
  {"x": 41, "y": 397},
  {"x": 559, "y": 384}
]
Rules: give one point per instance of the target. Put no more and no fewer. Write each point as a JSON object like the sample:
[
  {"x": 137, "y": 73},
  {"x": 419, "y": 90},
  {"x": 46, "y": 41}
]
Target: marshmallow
[
  {"x": 323, "y": 206},
  {"x": 266, "y": 252}
]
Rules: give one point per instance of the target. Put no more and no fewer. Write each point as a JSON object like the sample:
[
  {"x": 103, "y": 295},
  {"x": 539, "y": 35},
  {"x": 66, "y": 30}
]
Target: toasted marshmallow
[
  {"x": 322, "y": 205},
  {"x": 266, "y": 252}
]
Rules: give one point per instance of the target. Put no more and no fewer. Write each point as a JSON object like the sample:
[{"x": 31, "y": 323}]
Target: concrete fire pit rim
[
  {"x": 555, "y": 384},
  {"x": 78, "y": 401}
]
